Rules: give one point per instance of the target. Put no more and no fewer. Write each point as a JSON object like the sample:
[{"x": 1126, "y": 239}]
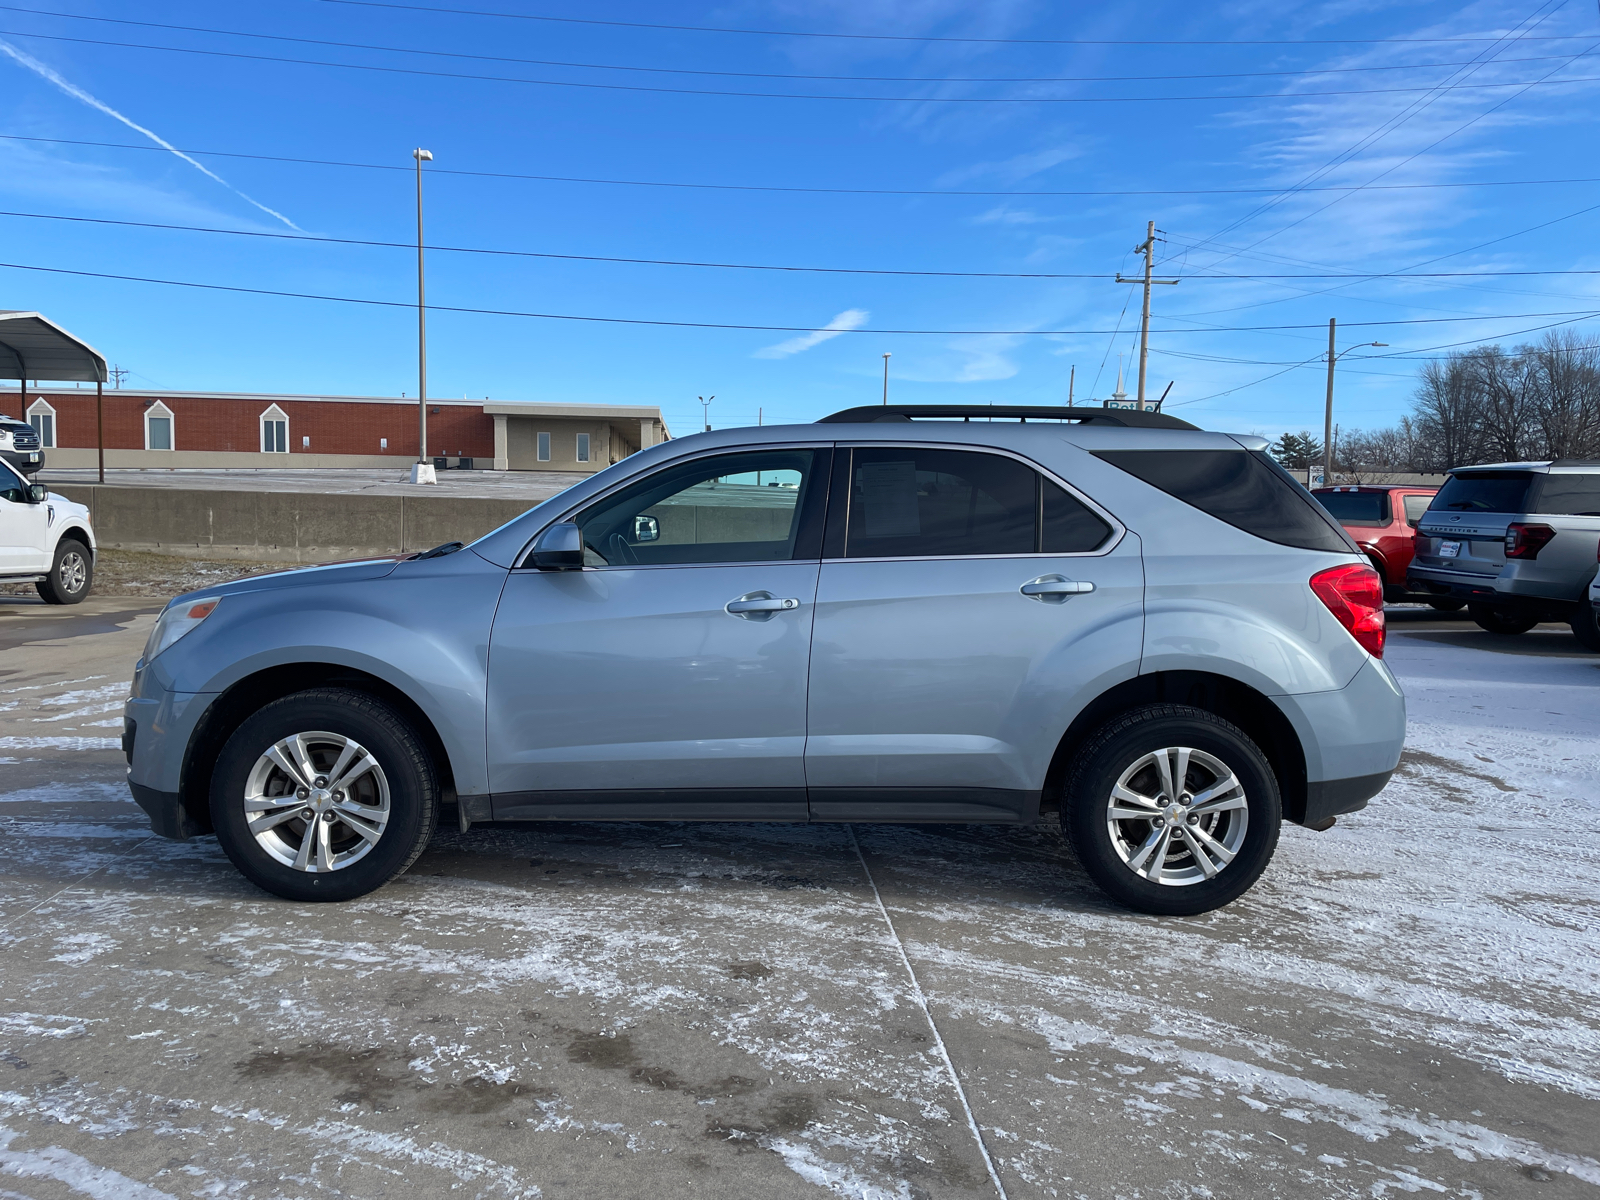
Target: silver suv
[
  {"x": 1518, "y": 542},
  {"x": 895, "y": 615}
]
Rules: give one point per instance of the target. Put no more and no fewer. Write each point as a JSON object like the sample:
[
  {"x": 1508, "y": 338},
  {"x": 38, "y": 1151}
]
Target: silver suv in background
[
  {"x": 902, "y": 614},
  {"x": 1519, "y": 542}
]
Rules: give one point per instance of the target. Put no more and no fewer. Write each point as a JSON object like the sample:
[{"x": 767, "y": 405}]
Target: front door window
[{"x": 728, "y": 508}]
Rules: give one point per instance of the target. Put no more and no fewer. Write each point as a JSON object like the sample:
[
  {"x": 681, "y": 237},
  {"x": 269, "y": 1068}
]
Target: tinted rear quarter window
[
  {"x": 1356, "y": 508},
  {"x": 1244, "y": 488},
  {"x": 1562, "y": 494},
  {"x": 1484, "y": 492}
]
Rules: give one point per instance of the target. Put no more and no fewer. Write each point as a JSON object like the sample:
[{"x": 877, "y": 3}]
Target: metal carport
[{"x": 34, "y": 347}]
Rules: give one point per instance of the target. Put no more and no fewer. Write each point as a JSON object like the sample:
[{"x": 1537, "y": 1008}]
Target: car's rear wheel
[
  {"x": 71, "y": 573},
  {"x": 1495, "y": 621},
  {"x": 1586, "y": 626},
  {"x": 1172, "y": 810},
  {"x": 1447, "y": 605},
  {"x": 324, "y": 795}
]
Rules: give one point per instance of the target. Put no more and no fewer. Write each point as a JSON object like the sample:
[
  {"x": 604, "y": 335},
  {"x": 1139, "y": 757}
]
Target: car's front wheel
[
  {"x": 1492, "y": 620},
  {"x": 71, "y": 573},
  {"x": 324, "y": 795},
  {"x": 1172, "y": 810}
]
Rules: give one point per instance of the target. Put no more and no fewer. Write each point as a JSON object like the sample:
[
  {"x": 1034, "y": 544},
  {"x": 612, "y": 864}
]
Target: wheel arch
[
  {"x": 248, "y": 695},
  {"x": 1252, "y": 711}
]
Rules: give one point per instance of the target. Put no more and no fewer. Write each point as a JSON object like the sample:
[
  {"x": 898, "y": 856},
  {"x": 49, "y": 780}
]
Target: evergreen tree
[{"x": 1297, "y": 451}]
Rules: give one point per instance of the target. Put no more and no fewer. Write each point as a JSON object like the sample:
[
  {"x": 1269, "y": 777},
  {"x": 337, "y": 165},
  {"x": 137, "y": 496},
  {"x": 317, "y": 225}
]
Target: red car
[{"x": 1382, "y": 521}]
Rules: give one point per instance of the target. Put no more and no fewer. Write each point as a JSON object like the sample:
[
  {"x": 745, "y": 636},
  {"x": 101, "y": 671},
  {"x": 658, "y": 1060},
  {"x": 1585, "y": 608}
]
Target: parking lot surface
[{"x": 1407, "y": 1004}]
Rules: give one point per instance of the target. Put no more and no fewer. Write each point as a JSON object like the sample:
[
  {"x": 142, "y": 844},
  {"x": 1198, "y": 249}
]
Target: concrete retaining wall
[{"x": 296, "y": 527}]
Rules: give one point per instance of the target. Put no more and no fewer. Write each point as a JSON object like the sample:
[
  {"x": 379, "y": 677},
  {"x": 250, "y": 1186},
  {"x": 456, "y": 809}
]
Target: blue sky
[{"x": 1268, "y": 97}]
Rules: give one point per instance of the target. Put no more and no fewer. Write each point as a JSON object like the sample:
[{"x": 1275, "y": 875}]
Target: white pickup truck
[{"x": 45, "y": 539}]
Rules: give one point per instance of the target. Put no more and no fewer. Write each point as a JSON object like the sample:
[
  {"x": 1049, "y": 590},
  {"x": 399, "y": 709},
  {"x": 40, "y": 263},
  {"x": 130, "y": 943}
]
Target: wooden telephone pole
[{"x": 1147, "y": 248}]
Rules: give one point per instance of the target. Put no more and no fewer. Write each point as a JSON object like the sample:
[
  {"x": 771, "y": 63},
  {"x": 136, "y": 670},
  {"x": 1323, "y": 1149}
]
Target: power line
[
  {"x": 590, "y": 66},
  {"x": 1574, "y": 315},
  {"x": 888, "y": 37},
  {"x": 807, "y": 191},
  {"x": 1373, "y": 136},
  {"x": 636, "y": 87},
  {"x": 725, "y": 266}
]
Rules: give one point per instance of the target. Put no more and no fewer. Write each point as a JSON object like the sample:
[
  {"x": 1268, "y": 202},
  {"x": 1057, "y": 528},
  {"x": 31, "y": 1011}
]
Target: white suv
[
  {"x": 19, "y": 445},
  {"x": 45, "y": 540}
]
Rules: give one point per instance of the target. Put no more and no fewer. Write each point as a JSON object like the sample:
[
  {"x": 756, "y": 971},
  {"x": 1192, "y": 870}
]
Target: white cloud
[
  {"x": 850, "y": 318},
  {"x": 77, "y": 93}
]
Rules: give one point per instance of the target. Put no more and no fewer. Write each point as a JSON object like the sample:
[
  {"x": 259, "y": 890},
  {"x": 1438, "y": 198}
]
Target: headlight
[{"x": 175, "y": 621}]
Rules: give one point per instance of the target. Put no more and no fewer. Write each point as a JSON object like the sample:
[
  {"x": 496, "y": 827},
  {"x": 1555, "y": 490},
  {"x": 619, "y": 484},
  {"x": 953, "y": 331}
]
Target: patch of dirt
[
  {"x": 1416, "y": 762},
  {"x": 137, "y": 573},
  {"x": 480, "y": 1095},
  {"x": 787, "y": 1113},
  {"x": 748, "y": 970},
  {"x": 606, "y": 1051},
  {"x": 359, "y": 1072}
]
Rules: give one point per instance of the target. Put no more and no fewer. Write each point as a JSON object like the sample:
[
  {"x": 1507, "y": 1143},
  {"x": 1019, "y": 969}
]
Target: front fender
[{"x": 423, "y": 629}]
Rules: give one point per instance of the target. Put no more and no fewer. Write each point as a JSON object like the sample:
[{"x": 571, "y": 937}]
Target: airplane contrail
[{"x": 77, "y": 93}]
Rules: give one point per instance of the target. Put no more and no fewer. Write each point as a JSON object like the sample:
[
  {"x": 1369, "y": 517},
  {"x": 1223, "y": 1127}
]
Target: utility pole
[
  {"x": 1072, "y": 381},
  {"x": 886, "y": 379},
  {"x": 1147, "y": 248},
  {"x": 116, "y": 374},
  {"x": 423, "y": 471},
  {"x": 1327, "y": 418}
]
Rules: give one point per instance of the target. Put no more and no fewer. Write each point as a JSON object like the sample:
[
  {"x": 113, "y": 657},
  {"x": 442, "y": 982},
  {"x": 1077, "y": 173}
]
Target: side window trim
[
  {"x": 834, "y": 544},
  {"x": 808, "y": 535}
]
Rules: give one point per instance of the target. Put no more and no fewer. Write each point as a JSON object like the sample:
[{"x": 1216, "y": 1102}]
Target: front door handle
[
  {"x": 1054, "y": 589},
  {"x": 759, "y": 606}
]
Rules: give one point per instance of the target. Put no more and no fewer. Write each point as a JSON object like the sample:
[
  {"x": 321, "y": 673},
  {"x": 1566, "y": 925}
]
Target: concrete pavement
[{"x": 1409, "y": 1003}]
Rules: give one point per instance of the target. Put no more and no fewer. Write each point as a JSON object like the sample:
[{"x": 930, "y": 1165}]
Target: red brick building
[{"x": 213, "y": 429}]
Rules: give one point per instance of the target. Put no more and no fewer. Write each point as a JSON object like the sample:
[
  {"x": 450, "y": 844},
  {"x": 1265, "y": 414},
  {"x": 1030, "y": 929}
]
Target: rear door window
[
  {"x": 911, "y": 502},
  {"x": 1484, "y": 492},
  {"x": 1415, "y": 507},
  {"x": 1244, "y": 488},
  {"x": 1569, "y": 495},
  {"x": 1356, "y": 508}
]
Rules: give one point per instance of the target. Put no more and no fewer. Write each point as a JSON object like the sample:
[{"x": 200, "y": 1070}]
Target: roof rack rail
[{"x": 1126, "y": 418}]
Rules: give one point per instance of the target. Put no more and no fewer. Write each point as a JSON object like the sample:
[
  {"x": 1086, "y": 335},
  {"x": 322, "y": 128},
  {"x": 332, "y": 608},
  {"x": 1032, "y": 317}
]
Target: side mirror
[
  {"x": 559, "y": 548},
  {"x": 646, "y": 529},
  {"x": 38, "y": 493}
]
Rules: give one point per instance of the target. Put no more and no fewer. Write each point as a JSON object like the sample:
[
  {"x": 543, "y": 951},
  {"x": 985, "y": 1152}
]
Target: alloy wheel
[
  {"x": 1177, "y": 816},
  {"x": 317, "y": 801}
]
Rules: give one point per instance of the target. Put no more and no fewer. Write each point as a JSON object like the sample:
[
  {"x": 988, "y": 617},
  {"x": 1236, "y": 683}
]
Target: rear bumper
[
  {"x": 1511, "y": 594},
  {"x": 1335, "y": 797}
]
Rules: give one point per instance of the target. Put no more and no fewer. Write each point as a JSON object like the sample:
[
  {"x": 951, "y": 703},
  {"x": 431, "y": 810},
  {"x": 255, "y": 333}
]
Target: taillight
[
  {"x": 1525, "y": 541},
  {"x": 1354, "y": 594}
]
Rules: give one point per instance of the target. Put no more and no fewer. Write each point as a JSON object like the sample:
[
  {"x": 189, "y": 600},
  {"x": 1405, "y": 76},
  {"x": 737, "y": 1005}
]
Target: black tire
[
  {"x": 405, "y": 769},
  {"x": 1118, "y": 747},
  {"x": 71, "y": 573},
  {"x": 1494, "y": 621},
  {"x": 1586, "y": 626},
  {"x": 1447, "y": 605}
]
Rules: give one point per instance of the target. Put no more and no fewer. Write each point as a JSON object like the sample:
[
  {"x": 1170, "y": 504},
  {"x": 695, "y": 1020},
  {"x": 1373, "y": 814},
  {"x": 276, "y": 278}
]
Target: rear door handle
[
  {"x": 759, "y": 606},
  {"x": 1054, "y": 589}
]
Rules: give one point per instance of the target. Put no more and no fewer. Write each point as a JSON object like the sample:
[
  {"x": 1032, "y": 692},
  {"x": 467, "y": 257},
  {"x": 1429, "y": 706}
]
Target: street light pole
[
  {"x": 1327, "y": 416},
  {"x": 422, "y": 472},
  {"x": 886, "y": 379},
  {"x": 705, "y": 410}
]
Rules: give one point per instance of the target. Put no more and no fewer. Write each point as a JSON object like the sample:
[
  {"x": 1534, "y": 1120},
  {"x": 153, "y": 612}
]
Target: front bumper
[
  {"x": 156, "y": 734},
  {"x": 26, "y": 461}
]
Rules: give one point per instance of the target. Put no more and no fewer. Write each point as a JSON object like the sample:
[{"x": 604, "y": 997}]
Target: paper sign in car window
[{"x": 889, "y": 500}]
